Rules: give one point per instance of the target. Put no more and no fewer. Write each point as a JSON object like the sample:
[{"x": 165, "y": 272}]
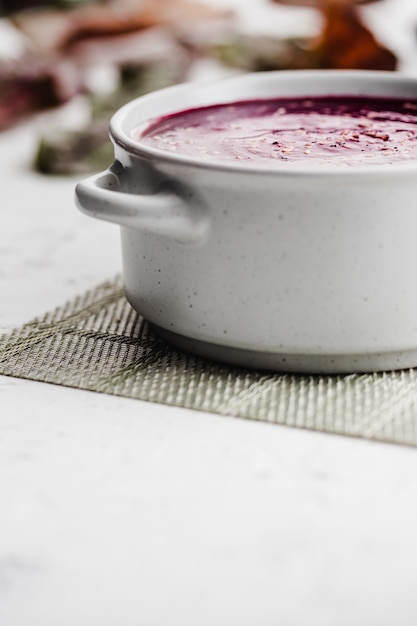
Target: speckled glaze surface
[{"x": 305, "y": 269}]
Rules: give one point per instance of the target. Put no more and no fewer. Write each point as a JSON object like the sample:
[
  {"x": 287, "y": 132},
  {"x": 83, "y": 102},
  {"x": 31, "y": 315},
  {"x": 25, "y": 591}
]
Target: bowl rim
[{"x": 357, "y": 82}]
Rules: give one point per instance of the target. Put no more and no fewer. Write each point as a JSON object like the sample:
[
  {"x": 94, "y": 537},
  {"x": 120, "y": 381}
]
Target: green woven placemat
[{"x": 97, "y": 342}]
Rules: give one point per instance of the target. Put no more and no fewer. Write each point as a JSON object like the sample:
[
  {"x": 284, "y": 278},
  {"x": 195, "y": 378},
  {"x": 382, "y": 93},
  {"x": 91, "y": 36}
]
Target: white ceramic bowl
[{"x": 305, "y": 269}]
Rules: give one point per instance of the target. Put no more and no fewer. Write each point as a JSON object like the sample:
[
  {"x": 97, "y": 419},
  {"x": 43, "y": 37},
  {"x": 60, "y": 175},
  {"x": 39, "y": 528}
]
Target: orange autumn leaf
[{"x": 347, "y": 43}]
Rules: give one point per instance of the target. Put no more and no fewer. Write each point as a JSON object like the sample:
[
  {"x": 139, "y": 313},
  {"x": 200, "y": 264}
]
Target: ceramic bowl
[{"x": 305, "y": 269}]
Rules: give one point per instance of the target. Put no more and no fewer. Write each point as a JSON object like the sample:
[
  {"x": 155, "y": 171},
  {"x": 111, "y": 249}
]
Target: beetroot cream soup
[{"x": 338, "y": 130}]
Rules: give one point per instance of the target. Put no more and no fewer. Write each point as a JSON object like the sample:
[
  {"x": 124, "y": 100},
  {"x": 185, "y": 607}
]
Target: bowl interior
[{"x": 146, "y": 109}]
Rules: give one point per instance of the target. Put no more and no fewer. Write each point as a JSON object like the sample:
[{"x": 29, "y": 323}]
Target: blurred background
[{"x": 83, "y": 59}]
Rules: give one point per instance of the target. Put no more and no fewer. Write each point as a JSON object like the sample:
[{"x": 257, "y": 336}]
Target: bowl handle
[{"x": 162, "y": 213}]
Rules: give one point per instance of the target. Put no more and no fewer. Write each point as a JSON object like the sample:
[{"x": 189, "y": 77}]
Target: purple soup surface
[{"x": 340, "y": 130}]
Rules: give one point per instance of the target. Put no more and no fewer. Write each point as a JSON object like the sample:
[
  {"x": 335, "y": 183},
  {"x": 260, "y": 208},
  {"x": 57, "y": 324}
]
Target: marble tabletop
[{"x": 121, "y": 512}]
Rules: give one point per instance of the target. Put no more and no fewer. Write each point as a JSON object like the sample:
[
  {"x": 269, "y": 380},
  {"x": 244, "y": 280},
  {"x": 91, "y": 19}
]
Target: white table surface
[{"x": 116, "y": 512}]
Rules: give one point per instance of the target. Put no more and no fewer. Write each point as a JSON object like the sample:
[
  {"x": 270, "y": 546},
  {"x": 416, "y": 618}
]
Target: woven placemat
[{"x": 97, "y": 342}]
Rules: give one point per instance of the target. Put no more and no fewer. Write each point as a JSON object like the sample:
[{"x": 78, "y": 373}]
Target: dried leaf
[
  {"x": 52, "y": 30},
  {"x": 347, "y": 43},
  {"x": 29, "y": 85}
]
